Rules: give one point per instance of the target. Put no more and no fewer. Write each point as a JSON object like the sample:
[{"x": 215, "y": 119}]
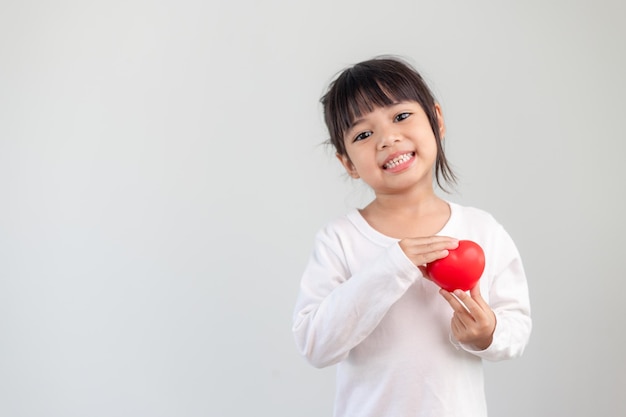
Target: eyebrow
[{"x": 354, "y": 123}]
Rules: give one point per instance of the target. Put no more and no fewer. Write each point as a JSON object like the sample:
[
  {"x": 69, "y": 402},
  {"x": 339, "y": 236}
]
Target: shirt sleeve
[
  {"x": 508, "y": 297},
  {"x": 337, "y": 310}
]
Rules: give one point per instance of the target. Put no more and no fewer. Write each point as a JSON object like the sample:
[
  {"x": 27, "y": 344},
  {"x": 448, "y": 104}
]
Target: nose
[{"x": 388, "y": 138}]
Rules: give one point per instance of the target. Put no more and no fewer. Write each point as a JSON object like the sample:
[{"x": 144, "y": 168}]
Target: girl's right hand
[{"x": 423, "y": 250}]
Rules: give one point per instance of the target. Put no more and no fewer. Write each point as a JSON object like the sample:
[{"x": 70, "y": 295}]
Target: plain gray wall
[{"x": 161, "y": 180}]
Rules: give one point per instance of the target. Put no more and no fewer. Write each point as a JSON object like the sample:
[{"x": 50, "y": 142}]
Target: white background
[{"x": 161, "y": 180}]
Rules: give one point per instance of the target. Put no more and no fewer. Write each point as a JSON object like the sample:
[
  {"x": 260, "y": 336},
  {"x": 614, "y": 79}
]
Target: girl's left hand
[{"x": 475, "y": 324}]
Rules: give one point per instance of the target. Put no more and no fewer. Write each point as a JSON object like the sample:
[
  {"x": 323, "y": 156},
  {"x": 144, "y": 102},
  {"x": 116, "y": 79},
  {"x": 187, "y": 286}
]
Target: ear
[
  {"x": 440, "y": 123},
  {"x": 348, "y": 165}
]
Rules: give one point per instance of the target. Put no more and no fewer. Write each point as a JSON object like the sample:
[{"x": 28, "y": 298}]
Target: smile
[{"x": 399, "y": 160}]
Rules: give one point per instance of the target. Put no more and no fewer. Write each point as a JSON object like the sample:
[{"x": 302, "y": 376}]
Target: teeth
[{"x": 398, "y": 160}]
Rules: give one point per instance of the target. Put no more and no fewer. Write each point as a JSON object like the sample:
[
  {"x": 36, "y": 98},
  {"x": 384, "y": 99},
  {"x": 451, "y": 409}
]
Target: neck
[
  {"x": 413, "y": 214},
  {"x": 413, "y": 202}
]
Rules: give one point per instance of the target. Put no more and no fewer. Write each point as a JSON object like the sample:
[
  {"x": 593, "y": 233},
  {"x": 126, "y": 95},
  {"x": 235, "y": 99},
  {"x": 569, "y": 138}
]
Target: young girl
[{"x": 403, "y": 346}]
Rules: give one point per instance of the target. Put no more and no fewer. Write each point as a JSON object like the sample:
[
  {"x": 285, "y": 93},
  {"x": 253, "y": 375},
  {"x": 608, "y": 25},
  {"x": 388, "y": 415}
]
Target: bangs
[
  {"x": 358, "y": 99},
  {"x": 362, "y": 89}
]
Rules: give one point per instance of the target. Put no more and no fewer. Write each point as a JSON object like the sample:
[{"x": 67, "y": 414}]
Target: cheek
[
  {"x": 433, "y": 142},
  {"x": 428, "y": 145}
]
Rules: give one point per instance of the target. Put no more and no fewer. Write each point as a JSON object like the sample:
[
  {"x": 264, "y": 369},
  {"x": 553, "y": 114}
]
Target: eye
[
  {"x": 362, "y": 135},
  {"x": 400, "y": 117}
]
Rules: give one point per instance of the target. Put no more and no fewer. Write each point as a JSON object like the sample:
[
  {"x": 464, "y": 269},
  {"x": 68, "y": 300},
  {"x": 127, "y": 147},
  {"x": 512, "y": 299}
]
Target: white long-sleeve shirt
[{"x": 364, "y": 306}]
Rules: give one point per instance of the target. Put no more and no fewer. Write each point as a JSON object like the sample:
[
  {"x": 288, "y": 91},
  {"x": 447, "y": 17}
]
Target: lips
[{"x": 398, "y": 160}]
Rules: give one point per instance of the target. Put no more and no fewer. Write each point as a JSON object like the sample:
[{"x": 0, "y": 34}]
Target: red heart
[{"x": 461, "y": 269}]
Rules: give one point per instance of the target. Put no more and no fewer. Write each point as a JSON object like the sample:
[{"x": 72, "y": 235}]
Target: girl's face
[{"x": 393, "y": 149}]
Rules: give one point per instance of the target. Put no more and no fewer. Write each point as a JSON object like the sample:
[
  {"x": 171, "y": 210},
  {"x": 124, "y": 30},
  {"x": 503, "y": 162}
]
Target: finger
[
  {"x": 431, "y": 243},
  {"x": 455, "y": 302},
  {"x": 466, "y": 301},
  {"x": 458, "y": 327},
  {"x": 452, "y": 300},
  {"x": 432, "y": 256},
  {"x": 476, "y": 313},
  {"x": 462, "y": 320},
  {"x": 463, "y": 303},
  {"x": 441, "y": 243},
  {"x": 425, "y": 250},
  {"x": 477, "y": 296}
]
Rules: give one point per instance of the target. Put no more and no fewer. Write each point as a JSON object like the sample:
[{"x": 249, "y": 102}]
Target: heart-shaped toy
[{"x": 461, "y": 269}]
